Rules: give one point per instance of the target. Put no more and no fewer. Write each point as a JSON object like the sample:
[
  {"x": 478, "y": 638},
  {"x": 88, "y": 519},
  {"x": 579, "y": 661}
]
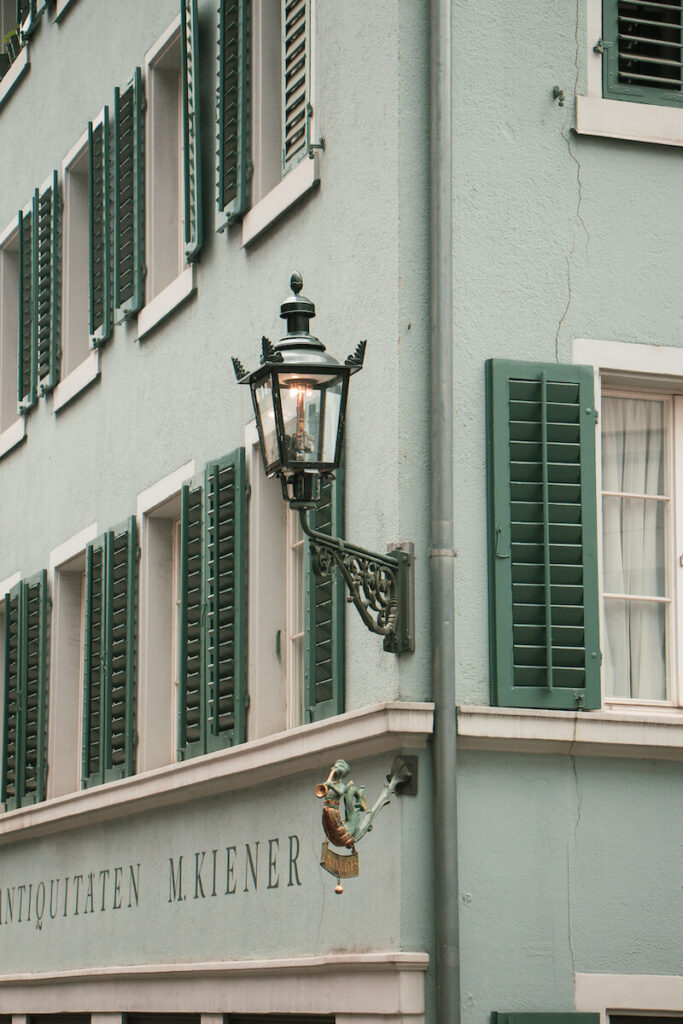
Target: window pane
[
  {"x": 634, "y": 546},
  {"x": 634, "y": 445},
  {"x": 635, "y": 649}
]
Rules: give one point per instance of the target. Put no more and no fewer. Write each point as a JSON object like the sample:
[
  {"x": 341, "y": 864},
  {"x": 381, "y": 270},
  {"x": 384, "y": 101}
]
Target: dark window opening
[{"x": 650, "y": 43}]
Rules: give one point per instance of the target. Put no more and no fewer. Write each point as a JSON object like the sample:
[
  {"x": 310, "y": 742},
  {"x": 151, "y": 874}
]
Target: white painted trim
[
  {"x": 361, "y": 986},
  {"x": 662, "y": 360},
  {"x": 363, "y": 733},
  {"x": 61, "y": 7},
  {"x": 635, "y": 122},
  {"x": 16, "y": 72},
  {"x": 84, "y": 374},
  {"x": 73, "y": 546},
  {"x": 7, "y": 584},
  {"x": 651, "y": 993},
  {"x": 12, "y": 435},
  {"x": 74, "y": 153},
  {"x": 167, "y": 36},
  {"x": 166, "y": 301},
  {"x": 164, "y": 489},
  {"x": 616, "y": 732},
  {"x": 9, "y": 232},
  {"x": 299, "y": 181}
]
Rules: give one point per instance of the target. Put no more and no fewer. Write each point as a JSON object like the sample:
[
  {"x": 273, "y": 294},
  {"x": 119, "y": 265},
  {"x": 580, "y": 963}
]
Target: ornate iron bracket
[{"x": 380, "y": 586}]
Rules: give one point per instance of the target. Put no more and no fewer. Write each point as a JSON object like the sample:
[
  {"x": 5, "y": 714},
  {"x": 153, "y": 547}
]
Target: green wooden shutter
[
  {"x": 641, "y": 48},
  {"x": 28, "y": 14},
  {"x": 296, "y": 16},
  {"x": 191, "y": 138},
  {"x": 233, "y": 110},
  {"x": 27, "y": 379},
  {"x": 324, "y": 615},
  {"x": 11, "y": 719},
  {"x": 225, "y": 583},
  {"x": 109, "y": 683},
  {"x": 545, "y": 649},
  {"x": 190, "y": 655},
  {"x": 47, "y": 290},
  {"x": 100, "y": 263},
  {"x": 129, "y": 197},
  {"x": 25, "y": 685}
]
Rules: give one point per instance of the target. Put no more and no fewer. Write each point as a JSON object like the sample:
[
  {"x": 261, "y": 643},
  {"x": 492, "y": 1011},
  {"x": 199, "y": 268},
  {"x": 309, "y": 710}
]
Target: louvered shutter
[
  {"x": 295, "y": 79},
  {"x": 27, "y": 382},
  {"x": 191, "y": 137},
  {"x": 190, "y": 654},
  {"x": 642, "y": 49},
  {"x": 110, "y": 656},
  {"x": 545, "y": 648},
  {"x": 100, "y": 263},
  {"x": 233, "y": 111},
  {"x": 324, "y": 615},
  {"x": 225, "y": 561},
  {"x": 129, "y": 195},
  {"x": 23, "y": 776},
  {"x": 28, "y": 14},
  {"x": 47, "y": 290}
]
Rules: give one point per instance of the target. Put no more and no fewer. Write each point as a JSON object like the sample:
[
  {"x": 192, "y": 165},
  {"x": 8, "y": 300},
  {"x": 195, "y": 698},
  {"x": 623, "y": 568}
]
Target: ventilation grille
[{"x": 649, "y": 43}]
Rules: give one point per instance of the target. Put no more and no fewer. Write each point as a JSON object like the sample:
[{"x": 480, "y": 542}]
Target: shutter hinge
[
  {"x": 143, "y": 104},
  {"x": 247, "y": 490},
  {"x": 247, "y": 701},
  {"x": 311, "y": 146},
  {"x": 601, "y": 46},
  {"x": 138, "y": 553},
  {"x": 597, "y": 417}
]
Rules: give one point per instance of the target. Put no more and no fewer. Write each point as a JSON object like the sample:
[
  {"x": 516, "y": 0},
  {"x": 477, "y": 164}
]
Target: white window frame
[
  {"x": 292, "y": 186},
  {"x": 157, "y": 706},
  {"x": 15, "y": 429},
  {"x": 648, "y": 995},
  {"x": 620, "y": 119},
  {"x": 66, "y": 664}
]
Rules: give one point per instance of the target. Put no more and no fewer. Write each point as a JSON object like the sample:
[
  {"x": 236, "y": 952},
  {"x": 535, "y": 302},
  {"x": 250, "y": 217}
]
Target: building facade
[{"x": 176, "y": 678}]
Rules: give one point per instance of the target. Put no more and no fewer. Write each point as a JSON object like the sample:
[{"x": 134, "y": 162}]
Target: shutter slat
[
  {"x": 295, "y": 82},
  {"x": 642, "y": 57}
]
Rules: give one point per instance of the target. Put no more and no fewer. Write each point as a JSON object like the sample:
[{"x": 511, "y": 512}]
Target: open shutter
[
  {"x": 11, "y": 717},
  {"x": 190, "y": 655},
  {"x": 47, "y": 294},
  {"x": 121, "y": 619},
  {"x": 545, "y": 649},
  {"x": 233, "y": 110},
  {"x": 92, "y": 771},
  {"x": 191, "y": 138},
  {"x": 28, "y": 14},
  {"x": 129, "y": 194},
  {"x": 296, "y": 18},
  {"x": 100, "y": 271},
  {"x": 324, "y": 615},
  {"x": 226, "y": 601},
  {"x": 27, "y": 381},
  {"x": 641, "y": 49}
]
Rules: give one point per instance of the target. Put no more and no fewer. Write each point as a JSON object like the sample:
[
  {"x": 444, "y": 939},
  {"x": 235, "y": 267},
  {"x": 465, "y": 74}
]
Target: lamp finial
[{"x": 296, "y": 282}]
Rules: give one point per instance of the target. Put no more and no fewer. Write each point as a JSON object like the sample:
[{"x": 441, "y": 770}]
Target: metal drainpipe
[{"x": 446, "y": 900}]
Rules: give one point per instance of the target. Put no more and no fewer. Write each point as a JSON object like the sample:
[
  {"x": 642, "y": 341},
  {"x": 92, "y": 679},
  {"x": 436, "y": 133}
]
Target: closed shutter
[
  {"x": 545, "y": 648},
  {"x": 295, "y": 79},
  {"x": 190, "y": 655},
  {"x": 226, "y": 601},
  {"x": 109, "y": 661},
  {"x": 191, "y": 137},
  {"x": 27, "y": 382},
  {"x": 25, "y": 686},
  {"x": 642, "y": 48},
  {"x": 233, "y": 110},
  {"x": 100, "y": 263},
  {"x": 47, "y": 291},
  {"x": 324, "y": 615},
  {"x": 129, "y": 195}
]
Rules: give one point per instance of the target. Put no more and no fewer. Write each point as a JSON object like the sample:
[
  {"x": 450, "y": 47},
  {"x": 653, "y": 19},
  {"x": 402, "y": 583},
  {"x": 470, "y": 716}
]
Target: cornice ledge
[
  {"x": 390, "y": 726},
  {"x": 637, "y": 733}
]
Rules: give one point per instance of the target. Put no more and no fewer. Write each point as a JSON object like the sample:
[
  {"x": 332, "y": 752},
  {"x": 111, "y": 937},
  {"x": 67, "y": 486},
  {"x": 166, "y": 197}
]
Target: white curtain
[{"x": 634, "y": 546}]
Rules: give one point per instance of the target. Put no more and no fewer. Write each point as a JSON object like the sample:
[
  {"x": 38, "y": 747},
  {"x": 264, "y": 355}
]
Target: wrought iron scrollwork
[{"x": 376, "y": 583}]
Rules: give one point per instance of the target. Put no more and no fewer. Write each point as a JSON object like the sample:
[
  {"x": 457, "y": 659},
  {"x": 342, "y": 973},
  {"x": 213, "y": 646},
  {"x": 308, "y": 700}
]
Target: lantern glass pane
[
  {"x": 301, "y": 403},
  {"x": 265, "y": 411},
  {"x": 332, "y": 409}
]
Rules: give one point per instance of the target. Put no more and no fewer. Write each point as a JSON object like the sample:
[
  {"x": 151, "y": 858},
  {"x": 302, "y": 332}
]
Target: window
[
  {"x": 265, "y": 111},
  {"x": 76, "y": 260},
  {"x": 10, "y": 43},
  {"x": 642, "y": 50}
]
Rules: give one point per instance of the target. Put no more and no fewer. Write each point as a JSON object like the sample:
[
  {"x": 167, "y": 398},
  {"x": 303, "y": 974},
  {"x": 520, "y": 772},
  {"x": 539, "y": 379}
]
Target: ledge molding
[
  {"x": 85, "y": 374},
  {"x": 16, "y": 72},
  {"x": 634, "y": 122},
  {"x": 300, "y": 180},
  {"x": 637, "y": 733},
  {"x": 363, "y": 733},
  {"x": 12, "y": 435},
  {"x": 163, "y": 304}
]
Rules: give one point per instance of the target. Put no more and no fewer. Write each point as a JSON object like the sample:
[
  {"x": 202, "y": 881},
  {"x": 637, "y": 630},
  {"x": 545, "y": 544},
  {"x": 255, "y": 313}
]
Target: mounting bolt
[{"x": 558, "y": 94}]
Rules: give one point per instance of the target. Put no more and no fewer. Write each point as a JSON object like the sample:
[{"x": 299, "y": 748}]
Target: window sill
[
  {"x": 14, "y": 75},
  {"x": 637, "y": 122},
  {"x": 611, "y": 733},
  {"x": 61, "y": 7},
  {"x": 304, "y": 177},
  {"x": 85, "y": 374},
  {"x": 12, "y": 436},
  {"x": 170, "y": 298},
  {"x": 364, "y": 733}
]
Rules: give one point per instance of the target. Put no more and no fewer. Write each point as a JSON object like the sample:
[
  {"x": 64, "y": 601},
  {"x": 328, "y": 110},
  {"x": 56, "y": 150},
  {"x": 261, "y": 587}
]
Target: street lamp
[{"x": 299, "y": 394}]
